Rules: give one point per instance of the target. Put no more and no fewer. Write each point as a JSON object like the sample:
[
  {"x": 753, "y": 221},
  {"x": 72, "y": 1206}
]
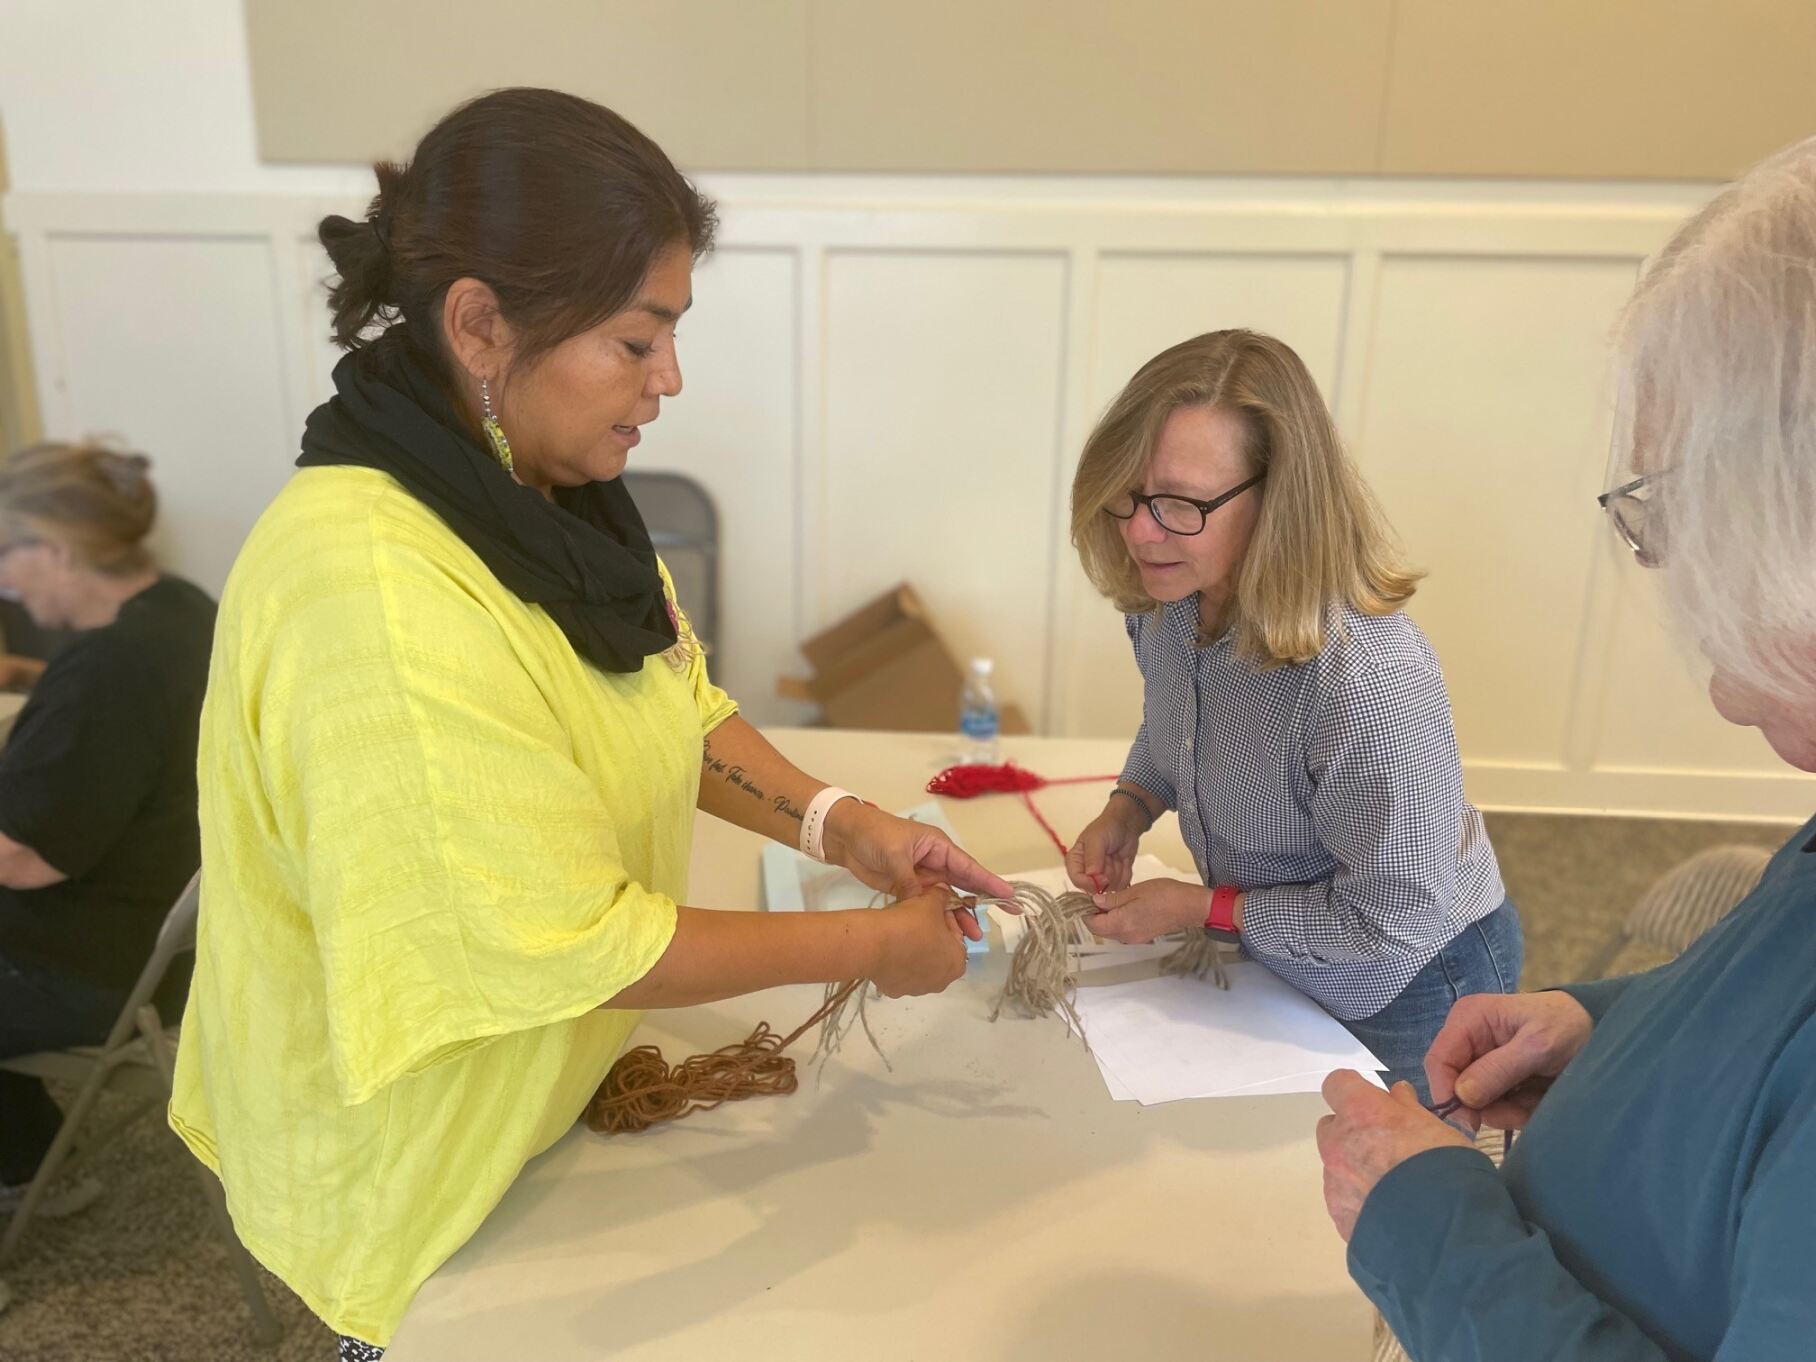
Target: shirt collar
[{"x": 1182, "y": 619}]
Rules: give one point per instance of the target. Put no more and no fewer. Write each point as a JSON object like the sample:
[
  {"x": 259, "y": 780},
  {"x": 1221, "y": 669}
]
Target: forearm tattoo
[{"x": 739, "y": 779}]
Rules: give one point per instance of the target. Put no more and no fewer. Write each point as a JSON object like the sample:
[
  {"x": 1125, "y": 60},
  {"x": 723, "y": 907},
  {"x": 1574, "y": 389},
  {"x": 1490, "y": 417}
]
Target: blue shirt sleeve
[
  {"x": 1443, "y": 1253},
  {"x": 1141, "y": 769},
  {"x": 1598, "y": 995},
  {"x": 1388, "y": 805}
]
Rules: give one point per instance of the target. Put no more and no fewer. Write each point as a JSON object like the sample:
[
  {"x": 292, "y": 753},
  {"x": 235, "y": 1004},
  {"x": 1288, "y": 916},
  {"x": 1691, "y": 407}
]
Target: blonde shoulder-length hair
[{"x": 1320, "y": 540}]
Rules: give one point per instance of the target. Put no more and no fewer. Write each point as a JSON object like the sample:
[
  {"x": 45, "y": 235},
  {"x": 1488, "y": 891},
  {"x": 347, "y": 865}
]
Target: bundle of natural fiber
[
  {"x": 1043, "y": 972},
  {"x": 1199, "y": 957},
  {"x": 642, "y": 1090}
]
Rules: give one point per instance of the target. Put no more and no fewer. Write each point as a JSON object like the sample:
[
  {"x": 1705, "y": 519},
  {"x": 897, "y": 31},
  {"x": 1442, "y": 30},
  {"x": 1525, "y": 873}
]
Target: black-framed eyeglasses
[
  {"x": 1176, "y": 514},
  {"x": 1634, "y": 509}
]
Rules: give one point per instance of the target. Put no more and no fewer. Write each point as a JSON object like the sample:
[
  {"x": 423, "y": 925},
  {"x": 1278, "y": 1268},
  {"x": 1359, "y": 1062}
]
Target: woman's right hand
[
  {"x": 1103, "y": 857},
  {"x": 922, "y": 948},
  {"x": 1499, "y": 1052}
]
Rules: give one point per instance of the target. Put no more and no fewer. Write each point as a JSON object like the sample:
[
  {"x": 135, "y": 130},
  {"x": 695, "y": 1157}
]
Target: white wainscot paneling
[
  {"x": 174, "y": 345},
  {"x": 1144, "y": 304},
  {"x": 1484, "y": 403},
  {"x": 938, "y": 456},
  {"x": 1655, "y": 741},
  {"x": 733, "y": 430},
  {"x": 891, "y": 379}
]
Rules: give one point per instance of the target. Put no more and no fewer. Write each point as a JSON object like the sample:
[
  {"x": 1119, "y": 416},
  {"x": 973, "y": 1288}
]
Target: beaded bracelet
[{"x": 1139, "y": 802}]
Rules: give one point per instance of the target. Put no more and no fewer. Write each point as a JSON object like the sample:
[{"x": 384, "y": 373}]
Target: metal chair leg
[{"x": 265, "y": 1325}]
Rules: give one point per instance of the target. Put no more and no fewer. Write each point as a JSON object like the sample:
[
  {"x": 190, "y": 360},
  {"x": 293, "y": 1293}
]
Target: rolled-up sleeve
[
  {"x": 1387, "y": 803},
  {"x": 1142, "y": 770}
]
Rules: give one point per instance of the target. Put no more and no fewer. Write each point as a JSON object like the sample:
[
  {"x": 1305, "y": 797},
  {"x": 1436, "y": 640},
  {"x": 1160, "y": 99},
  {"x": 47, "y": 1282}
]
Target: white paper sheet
[
  {"x": 1166, "y": 1039},
  {"x": 1310, "y": 1081}
]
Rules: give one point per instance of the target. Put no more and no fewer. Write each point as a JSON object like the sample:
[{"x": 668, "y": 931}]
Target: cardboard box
[{"x": 884, "y": 666}]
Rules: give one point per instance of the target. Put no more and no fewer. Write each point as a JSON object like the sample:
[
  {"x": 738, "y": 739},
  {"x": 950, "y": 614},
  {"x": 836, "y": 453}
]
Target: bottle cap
[{"x": 982, "y": 666}]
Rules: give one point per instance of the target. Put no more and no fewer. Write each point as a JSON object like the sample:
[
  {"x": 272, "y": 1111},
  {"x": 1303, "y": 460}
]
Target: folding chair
[
  {"x": 684, "y": 527},
  {"x": 1685, "y": 902},
  {"x": 137, "y": 1059}
]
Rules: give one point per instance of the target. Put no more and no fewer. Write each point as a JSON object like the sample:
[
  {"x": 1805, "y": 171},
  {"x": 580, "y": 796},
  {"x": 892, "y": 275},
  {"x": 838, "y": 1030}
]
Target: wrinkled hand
[
  {"x": 1140, "y": 913},
  {"x": 1103, "y": 857},
  {"x": 1499, "y": 1052},
  {"x": 1369, "y": 1133},
  {"x": 920, "y": 948},
  {"x": 902, "y": 858}
]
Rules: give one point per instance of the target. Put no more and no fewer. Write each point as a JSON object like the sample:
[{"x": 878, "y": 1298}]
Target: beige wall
[
  {"x": 18, "y": 401},
  {"x": 1674, "y": 89}
]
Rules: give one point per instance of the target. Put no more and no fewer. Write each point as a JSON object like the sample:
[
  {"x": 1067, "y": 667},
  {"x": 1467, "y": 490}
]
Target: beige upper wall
[
  {"x": 1575, "y": 88},
  {"x": 1666, "y": 89},
  {"x": 19, "y": 423},
  {"x": 722, "y": 84}
]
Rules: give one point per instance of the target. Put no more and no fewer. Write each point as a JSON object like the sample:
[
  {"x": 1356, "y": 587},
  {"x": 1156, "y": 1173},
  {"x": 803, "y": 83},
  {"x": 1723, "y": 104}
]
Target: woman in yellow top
[{"x": 456, "y": 729}]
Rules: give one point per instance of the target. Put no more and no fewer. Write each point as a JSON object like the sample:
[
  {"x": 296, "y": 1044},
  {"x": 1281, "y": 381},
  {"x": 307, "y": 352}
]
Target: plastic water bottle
[{"x": 978, "y": 723}]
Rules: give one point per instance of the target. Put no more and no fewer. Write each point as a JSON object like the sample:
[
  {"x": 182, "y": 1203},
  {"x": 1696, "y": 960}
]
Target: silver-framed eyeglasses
[
  {"x": 1176, "y": 514},
  {"x": 1634, "y": 509}
]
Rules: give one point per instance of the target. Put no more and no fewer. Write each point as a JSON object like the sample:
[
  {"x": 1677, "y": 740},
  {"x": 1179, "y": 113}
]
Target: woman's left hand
[
  {"x": 1138, "y": 914},
  {"x": 1370, "y": 1132},
  {"x": 901, "y": 857}
]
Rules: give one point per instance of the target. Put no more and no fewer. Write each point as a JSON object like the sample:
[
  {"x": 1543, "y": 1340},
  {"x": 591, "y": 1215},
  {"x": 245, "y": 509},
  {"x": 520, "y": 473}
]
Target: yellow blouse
[{"x": 434, "y": 839}]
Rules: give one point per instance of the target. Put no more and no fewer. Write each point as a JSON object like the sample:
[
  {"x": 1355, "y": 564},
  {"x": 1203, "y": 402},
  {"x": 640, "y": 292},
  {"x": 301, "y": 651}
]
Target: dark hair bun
[
  {"x": 361, "y": 252},
  {"x": 558, "y": 205}
]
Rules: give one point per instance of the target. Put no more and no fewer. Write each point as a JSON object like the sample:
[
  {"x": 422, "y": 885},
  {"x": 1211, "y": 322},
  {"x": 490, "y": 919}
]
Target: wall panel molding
[{"x": 1049, "y": 295}]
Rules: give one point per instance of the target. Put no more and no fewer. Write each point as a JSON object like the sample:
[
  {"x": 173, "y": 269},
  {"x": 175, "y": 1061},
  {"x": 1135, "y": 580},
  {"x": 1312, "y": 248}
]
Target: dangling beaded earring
[{"x": 501, "y": 447}]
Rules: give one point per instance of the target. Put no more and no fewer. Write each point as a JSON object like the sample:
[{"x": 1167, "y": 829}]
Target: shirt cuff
[
  {"x": 1598, "y": 995},
  {"x": 1141, "y": 771},
  {"x": 1399, "y": 1246},
  {"x": 1273, "y": 920}
]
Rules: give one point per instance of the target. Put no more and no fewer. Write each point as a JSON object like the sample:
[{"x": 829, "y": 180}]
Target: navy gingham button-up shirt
[{"x": 1330, "y": 792}]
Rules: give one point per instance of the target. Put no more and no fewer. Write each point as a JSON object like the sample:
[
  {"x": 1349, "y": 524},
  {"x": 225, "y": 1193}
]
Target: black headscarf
[{"x": 585, "y": 557}]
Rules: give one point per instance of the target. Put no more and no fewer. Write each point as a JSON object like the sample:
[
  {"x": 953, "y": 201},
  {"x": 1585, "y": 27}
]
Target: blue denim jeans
[
  {"x": 1484, "y": 957},
  {"x": 41, "y": 1010}
]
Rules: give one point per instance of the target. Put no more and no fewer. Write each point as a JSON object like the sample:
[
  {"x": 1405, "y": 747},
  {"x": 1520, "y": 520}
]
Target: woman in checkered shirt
[{"x": 1292, "y": 716}]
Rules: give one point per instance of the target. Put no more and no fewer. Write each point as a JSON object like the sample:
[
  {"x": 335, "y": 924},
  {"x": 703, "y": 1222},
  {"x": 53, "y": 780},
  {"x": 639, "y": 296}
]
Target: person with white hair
[{"x": 1661, "y": 1201}]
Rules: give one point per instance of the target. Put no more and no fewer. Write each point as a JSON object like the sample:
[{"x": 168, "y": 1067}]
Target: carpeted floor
[{"x": 139, "y": 1277}]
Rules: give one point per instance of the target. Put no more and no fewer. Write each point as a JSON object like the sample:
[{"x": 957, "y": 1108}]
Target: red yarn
[
  {"x": 981, "y": 778},
  {"x": 977, "y": 778}
]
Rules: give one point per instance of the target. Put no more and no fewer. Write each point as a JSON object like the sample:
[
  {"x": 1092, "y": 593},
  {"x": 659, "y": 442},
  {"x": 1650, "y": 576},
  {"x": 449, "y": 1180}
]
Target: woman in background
[{"x": 97, "y": 778}]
